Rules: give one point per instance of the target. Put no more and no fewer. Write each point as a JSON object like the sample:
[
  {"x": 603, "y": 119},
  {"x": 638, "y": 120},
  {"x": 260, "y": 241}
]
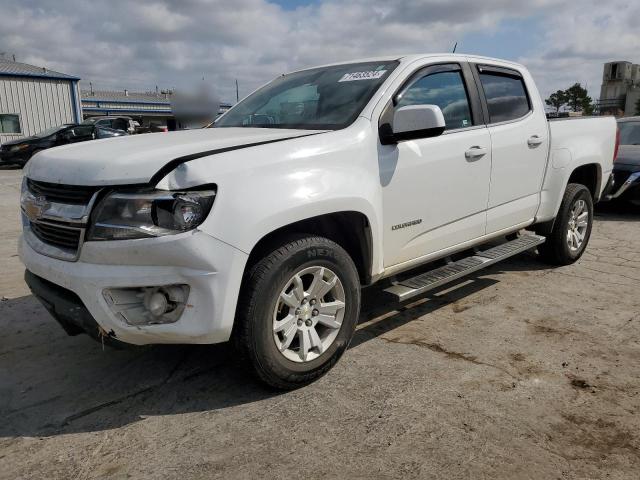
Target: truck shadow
[{"x": 52, "y": 384}]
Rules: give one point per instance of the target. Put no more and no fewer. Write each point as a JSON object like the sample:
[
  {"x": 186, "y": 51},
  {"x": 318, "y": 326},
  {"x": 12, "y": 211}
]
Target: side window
[
  {"x": 506, "y": 96},
  {"x": 444, "y": 89},
  {"x": 9, "y": 123},
  {"x": 82, "y": 131},
  {"x": 120, "y": 124}
]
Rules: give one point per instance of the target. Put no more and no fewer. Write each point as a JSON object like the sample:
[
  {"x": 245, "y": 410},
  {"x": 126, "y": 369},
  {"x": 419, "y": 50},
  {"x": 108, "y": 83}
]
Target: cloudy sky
[{"x": 120, "y": 44}]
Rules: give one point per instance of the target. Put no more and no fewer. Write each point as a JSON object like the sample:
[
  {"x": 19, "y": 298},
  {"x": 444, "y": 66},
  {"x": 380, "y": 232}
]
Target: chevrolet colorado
[{"x": 263, "y": 228}]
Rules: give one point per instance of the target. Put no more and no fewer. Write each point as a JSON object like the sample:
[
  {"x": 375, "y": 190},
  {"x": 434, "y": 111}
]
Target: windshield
[
  {"x": 327, "y": 98},
  {"x": 50, "y": 131},
  {"x": 90, "y": 121},
  {"x": 629, "y": 133}
]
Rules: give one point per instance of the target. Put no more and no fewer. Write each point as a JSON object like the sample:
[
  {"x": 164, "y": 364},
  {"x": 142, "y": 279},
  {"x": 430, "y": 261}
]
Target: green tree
[
  {"x": 557, "y": 100},
  {"x": 578, "y": 100}
]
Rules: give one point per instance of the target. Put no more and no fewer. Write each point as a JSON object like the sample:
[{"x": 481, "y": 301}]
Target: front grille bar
[
  {"x": 58, "y": 229},
  {"x": 67, "y": 194}
]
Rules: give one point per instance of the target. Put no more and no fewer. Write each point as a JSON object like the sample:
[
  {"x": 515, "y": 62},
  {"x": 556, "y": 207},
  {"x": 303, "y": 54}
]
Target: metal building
[
  {"x": 33, "y": 99},
  {"x": 149, "y": 109}
]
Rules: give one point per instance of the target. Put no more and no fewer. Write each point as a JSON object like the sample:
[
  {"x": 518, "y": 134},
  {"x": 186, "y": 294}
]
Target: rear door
[{"x": 519, "y": 145}]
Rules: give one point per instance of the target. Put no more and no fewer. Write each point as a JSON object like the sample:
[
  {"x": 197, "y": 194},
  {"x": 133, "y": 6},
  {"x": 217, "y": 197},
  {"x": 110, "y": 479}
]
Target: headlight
[
  {"x": 128, "y": 215},
  {"x": 17, "y": 148}
]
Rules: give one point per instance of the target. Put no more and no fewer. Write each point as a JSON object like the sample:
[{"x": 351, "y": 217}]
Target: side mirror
[{"x": 417, "y": 121}]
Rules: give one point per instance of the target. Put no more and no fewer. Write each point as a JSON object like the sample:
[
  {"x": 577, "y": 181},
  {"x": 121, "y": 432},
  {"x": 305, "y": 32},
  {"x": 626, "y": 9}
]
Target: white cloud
[
  {"x": 120, "y": 44},
  {"x": 579, "y": 38}
]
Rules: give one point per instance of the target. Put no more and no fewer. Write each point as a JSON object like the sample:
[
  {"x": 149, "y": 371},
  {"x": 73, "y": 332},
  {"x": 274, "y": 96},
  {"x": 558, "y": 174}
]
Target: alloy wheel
[
  {"x": 578, "y": 224},
  {"x": 308, "y": 314}
]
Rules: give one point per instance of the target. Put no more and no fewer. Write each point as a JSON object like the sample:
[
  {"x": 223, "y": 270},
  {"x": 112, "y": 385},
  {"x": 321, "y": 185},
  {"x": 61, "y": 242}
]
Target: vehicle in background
[
  {"x": 126, "y": 124},
  {"x": 626, "y": 169},
  {"x": 153, "y": 127},
  {"x": 263, "y": 229},
  {"x": 18, "y": 152}
]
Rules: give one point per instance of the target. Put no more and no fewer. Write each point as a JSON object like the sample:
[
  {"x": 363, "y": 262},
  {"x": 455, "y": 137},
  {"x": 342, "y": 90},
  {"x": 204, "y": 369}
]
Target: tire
[
  {"x": 562, "y": 246},
  {"x": 270, "y": 300}
]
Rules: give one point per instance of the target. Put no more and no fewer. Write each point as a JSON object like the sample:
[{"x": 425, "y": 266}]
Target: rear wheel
[
  {"x": 298, "y": 311},
  {"x": 572, "y": 228}
]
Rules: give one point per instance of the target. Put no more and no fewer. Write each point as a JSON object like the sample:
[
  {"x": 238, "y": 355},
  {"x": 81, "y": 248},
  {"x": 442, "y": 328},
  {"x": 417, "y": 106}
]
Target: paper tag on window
[{"x": 372, "y": 75}]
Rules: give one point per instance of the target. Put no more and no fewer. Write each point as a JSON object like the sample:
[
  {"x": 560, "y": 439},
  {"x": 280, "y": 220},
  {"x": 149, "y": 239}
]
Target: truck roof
[{"x": 408, "y": 58}]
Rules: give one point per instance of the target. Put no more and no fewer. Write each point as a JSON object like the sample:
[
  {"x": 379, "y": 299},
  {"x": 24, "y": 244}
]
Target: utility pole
[
  {"x": 454, "y": 47},
  {"x": 237, "y": 92}
]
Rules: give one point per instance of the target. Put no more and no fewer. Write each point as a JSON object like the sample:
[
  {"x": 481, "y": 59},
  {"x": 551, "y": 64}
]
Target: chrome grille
[
  {"x": 56, "y": 216},
  {"x": 67, "y": 194},
  {"x": 64, "y": 237}
]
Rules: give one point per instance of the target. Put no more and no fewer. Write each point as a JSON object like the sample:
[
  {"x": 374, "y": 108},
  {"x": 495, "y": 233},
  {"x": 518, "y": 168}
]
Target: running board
[{"x": 424, "y": 282}]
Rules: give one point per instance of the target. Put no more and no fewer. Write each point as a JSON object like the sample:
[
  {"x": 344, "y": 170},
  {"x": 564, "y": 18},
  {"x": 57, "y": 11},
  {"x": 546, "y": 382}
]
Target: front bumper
[
  {"x": 65, "y": 306},
  {"x": 212, "y": 269}
]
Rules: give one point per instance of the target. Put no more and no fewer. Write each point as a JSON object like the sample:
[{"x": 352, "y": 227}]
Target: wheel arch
[
  {"x": 350, "y": 229},
  {"x": 589, "y": 175}
]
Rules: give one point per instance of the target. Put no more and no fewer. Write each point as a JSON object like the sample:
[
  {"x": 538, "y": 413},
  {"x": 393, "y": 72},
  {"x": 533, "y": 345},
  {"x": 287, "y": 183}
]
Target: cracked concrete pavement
[{"x": 520, "y": 372}]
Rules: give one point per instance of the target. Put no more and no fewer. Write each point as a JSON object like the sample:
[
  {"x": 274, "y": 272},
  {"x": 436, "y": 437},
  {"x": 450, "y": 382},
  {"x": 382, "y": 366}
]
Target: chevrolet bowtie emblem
[{"x": 34, "y": 207}]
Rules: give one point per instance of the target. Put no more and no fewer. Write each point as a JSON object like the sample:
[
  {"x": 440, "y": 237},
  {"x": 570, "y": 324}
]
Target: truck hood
[
  {"x": 135, "y": 159},
  {"x": 629, "y": 155}
]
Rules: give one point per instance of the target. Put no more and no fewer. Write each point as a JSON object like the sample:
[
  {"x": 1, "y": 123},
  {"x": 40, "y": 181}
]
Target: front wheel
[
  {"x": 298, "y": 310},
  {"x": 572, "y": 228}
]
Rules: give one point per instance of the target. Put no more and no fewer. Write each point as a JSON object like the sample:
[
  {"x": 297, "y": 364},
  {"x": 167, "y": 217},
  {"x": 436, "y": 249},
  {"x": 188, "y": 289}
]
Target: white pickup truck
[{"x": 263, "y": 228}]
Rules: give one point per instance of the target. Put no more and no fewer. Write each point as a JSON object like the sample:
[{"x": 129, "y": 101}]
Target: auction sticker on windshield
[{"x": 372, "y": 75}]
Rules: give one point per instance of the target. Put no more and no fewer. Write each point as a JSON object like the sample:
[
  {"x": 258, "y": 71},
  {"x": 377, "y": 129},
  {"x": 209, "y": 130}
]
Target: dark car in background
[
  {"x": 153, "y": 127},
  {"x": 126, "y": 124},
  {"x": 18, "y": 152},
  {"x": 626, "y": 169}
]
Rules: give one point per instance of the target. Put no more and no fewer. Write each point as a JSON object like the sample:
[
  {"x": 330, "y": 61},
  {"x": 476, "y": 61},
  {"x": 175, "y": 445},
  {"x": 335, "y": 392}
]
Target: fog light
[
  {"x": 157, "y": 303},
  {"x": 148, "y": 305}
]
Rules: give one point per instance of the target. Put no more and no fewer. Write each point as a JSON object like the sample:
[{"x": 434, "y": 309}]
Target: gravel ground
[{"x": 520, "y": 372}]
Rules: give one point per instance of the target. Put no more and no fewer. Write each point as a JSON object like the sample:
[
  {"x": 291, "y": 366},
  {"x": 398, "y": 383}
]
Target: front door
[{"x": 435, "y": 190}]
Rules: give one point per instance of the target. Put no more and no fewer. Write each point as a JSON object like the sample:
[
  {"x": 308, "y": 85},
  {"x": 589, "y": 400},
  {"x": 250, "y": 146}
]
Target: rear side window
[
  {"x": 447, "y": 91},
  {"x": 629, "y": 133},
  {"x": 82, "y": 131},
  {"x": 506, "y": 96},
  {"x": 119, "y": 124}
]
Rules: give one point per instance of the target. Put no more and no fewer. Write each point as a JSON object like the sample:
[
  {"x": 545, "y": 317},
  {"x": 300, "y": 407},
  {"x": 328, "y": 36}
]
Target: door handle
[
  {"x": 475, "y": 152},
  {"x": 534, "y": 141}
]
